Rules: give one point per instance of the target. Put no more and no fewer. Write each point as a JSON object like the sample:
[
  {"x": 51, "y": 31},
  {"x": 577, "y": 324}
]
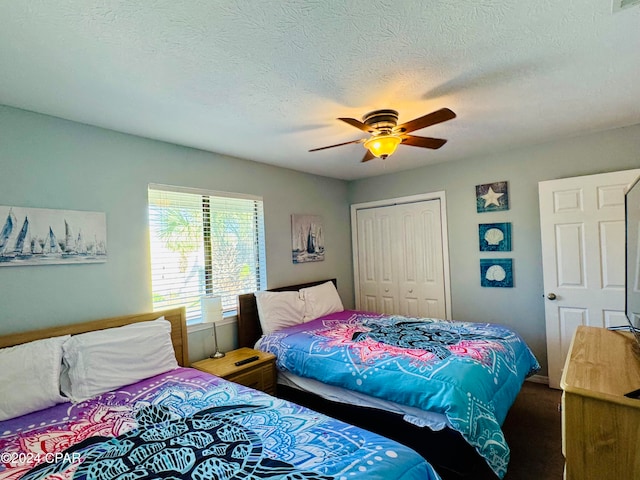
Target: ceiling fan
[{"x": 386, "y": 134}]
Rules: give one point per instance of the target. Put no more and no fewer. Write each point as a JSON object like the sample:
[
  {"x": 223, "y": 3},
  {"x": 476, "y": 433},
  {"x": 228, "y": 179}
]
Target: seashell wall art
[
  {"x": 496, "y": 272},
  {"x": 494, "y": 237}
]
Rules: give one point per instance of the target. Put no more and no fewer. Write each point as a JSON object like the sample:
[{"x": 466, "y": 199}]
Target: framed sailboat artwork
[
  {"x": 42, "y": 236},
  {"x": 307, "y": 238}
]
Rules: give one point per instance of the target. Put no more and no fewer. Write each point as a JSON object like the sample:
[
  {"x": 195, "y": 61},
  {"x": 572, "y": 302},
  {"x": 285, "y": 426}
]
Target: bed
[
  {"x": 441, "y": 387},
  {"x": 179, "y": 423}
]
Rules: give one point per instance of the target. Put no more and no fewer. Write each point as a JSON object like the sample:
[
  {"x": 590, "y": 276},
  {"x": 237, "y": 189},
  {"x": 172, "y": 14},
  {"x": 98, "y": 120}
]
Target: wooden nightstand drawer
[
  {"x": 258, "y": 378},
  {"x": 259, "y": 374}
]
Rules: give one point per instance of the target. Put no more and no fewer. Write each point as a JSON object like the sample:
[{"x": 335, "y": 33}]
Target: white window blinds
[{"x": 204, "y": 243}]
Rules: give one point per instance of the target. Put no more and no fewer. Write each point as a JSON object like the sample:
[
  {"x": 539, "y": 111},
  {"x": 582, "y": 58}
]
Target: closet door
[
  {"x": 400, "y": 259},
  {"x": 420, "y": 269},
  {"x": 376, "y": 260}
]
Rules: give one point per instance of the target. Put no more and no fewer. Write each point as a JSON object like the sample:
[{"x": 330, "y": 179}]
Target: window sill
[{"x": 228, "y": 319}]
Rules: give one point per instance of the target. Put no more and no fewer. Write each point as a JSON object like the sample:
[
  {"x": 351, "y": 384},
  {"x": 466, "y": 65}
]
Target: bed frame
[
  {"x": 446, "y": 450},
  {"x": 176, "y": 316}
]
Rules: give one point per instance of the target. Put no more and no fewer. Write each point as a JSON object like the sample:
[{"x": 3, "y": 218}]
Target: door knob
[
  {"x": 551, "y": 296},
  {"x": 411, "y": 290},
  {"x": 386, "y": 290}
]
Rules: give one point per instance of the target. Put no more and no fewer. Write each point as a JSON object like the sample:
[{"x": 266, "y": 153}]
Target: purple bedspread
[{"x": 252, "y": 434}]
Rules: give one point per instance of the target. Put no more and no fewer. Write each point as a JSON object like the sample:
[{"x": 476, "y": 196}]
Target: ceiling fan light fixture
[{"x": 382, "y": 145}]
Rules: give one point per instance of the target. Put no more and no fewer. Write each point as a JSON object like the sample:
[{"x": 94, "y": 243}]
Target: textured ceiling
[{"x": 266, "y": 80}]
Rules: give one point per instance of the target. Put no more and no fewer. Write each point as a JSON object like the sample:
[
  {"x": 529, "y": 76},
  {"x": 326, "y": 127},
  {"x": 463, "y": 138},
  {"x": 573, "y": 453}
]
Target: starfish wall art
[{"x": 492, "y": 197}]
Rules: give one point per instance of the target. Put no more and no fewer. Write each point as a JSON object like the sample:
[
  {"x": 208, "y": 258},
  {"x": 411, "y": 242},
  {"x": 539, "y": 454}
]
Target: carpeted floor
[{"x": 534, "y": 434}]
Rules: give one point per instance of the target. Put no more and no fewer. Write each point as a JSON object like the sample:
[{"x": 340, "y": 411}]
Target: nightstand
[{"x": 260, "y": 374}]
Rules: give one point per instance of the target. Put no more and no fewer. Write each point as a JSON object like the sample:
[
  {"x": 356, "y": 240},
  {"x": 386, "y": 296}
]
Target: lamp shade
[
  {"x": 382, "y": 145},
  {"x": 211, "y": 309}
]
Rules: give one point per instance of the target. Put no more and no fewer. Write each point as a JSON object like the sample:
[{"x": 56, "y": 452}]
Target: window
[{"x": 204, "y": 243}]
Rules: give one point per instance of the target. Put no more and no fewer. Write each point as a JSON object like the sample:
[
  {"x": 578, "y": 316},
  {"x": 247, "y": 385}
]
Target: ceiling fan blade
[
  {"x": 424, "y": 142},
  {"x": 432, "y": 118},
  {"x": 359, "y": 125},
  {"x": 337, "y": 145},
  {"x": 368, "y": 156}
]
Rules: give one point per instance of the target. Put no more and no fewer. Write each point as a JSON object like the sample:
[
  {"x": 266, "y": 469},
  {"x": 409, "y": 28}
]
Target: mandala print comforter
[
  {"x": 470, "y": 372},
  {"x": 191, "y": 425}
]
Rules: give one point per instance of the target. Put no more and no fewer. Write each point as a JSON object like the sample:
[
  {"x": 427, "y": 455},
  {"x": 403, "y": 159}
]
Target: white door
[
  {"x": 400, "y": 261},
  {"x": 583, "y": 257},
  {"x": 420, "y": 265},
  {"x": 375, "y": 252}
]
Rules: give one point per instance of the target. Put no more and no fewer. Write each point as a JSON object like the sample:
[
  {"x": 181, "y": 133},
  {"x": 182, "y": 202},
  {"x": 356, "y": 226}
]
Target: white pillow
[
  {"x": 320, "y": 300},
  {"x": 278, "y": 310},
  {"x": 96, "y": 362},
  {"x": 30, "y": 377}
]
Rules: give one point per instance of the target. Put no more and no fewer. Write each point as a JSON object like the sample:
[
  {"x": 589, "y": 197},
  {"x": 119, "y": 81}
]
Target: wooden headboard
[
  {"x": 176, "y": 316},
  {"x": 249, "y": 329}
]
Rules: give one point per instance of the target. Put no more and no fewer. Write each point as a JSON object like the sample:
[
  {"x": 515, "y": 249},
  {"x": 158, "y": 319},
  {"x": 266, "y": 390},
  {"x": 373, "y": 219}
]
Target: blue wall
[{"x": 46, "y": 162}]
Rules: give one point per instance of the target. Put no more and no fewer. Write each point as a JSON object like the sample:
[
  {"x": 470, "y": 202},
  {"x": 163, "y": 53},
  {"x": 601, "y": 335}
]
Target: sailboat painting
[
  {"x": 307, "y": 238},
  {"x": 42, "y": 236}
]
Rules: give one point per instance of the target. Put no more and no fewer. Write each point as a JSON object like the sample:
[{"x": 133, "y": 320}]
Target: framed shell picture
[
  {"x": 492, "y": 197},
  {"x": 494, "y": 237},
  {"x": 307, "y": 238},
  {"x": 496, "y": 272}
]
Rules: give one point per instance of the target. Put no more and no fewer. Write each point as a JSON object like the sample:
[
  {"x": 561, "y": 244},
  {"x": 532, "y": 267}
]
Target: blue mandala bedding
[
  {"x": 470, "y": 372},
  {"x": 186, "y": 424}
]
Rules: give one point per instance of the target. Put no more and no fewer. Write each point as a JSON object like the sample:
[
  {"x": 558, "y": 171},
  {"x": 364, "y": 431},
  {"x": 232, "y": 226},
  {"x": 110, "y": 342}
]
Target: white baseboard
[{"x": 538, "y": 379}]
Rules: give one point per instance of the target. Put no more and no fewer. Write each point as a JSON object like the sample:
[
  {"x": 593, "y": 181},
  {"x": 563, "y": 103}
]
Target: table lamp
[{"x": 212, "y": 313}]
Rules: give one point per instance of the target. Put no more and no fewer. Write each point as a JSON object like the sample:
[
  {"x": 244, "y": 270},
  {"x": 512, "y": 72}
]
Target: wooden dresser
[{"x": 600, "y": 426}]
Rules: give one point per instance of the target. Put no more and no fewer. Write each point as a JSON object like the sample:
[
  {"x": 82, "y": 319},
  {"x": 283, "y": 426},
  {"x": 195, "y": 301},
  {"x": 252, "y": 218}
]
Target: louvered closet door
[{"x": 400, "y": 259}]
